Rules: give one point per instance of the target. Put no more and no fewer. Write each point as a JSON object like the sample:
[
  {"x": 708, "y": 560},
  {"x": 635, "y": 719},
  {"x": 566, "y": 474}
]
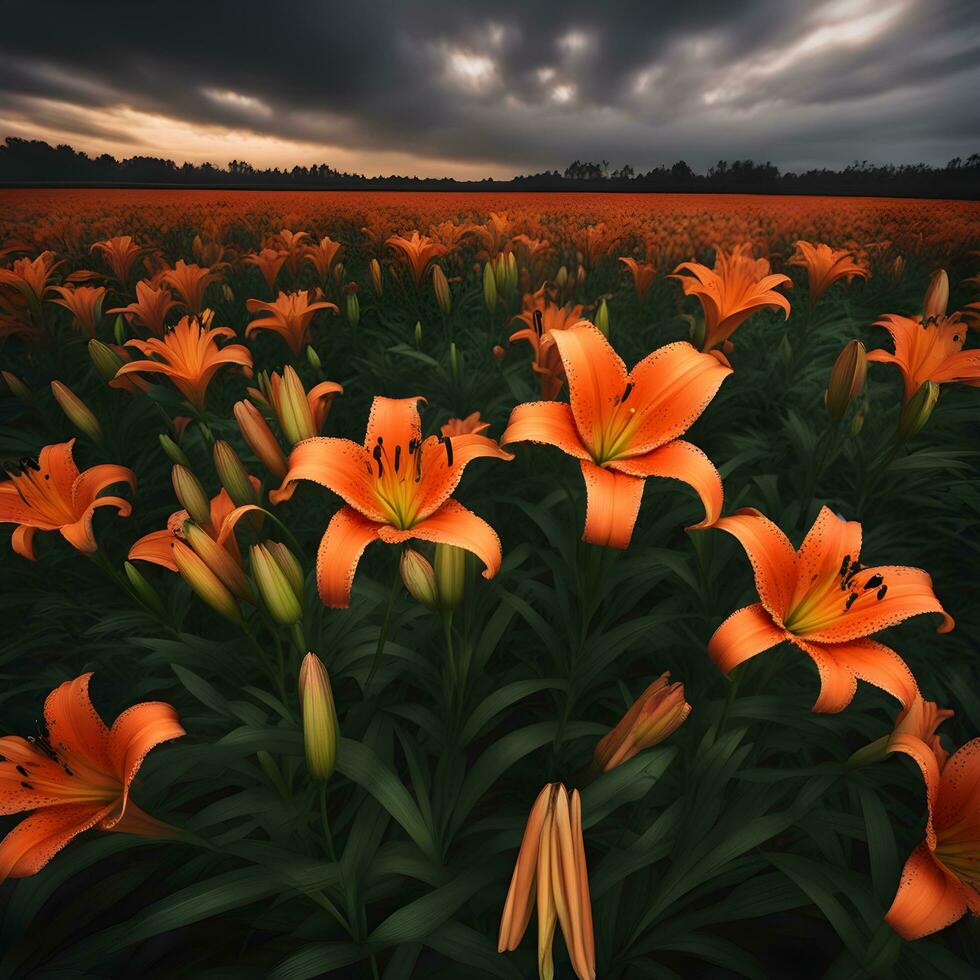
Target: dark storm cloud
[{"x": 512, "y": 86}]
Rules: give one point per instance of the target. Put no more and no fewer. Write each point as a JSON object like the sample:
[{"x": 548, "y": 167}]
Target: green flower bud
[
  {"x": 274, "y": 587},
  {"x": 79, "y": 414},
  {"x": 191, "y": 494},
  {"x": 450, "y": 574},
  {"x": 916, "y": 412},
  {"x": 320, "y": 730},
  {"x": 232, "y": 474},
  {"x": 174, "y": 453},
  {"x": 419, "y": 578}
]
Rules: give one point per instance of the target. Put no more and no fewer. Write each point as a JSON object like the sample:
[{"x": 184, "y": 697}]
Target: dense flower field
[{"x": 386, "y": 571}]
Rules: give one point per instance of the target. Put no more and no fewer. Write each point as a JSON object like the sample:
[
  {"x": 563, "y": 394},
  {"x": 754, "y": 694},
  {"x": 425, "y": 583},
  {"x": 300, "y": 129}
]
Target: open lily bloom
[
  {"x": 189, "y": 355},
  {"x": 941, "y": 879},
  {"x": 84, "y": 303},
  {"x": 120, "y": 254},
  {"x": 150, "y": 309},
  {"x": 397, "y": 486},
  {"x": 289, "y": 316},
  {"x": 624, "y": 426},
  {"x": 541, "y": 319},
  {"x": 76, "y": 774},
  {"x": 929, "y": 350},
  {"x": 30, "y": 276},
  {"x": 551, "y": 873},
  {"x": 417, "y": 252},
  {"x": 825, "y": 265},
  {"x": 50, "y": 494},
  {"x": 643, "y": 273},
  {"x": 189, "y": 282},
  {"x": 732, "y": 291},
  {"x": 823, "y": 600}
]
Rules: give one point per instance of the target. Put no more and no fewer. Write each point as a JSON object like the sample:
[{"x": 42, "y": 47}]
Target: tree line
[{"x": 35, "y": 162}]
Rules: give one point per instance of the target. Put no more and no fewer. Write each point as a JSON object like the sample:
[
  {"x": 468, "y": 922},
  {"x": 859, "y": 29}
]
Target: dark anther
[
  {"x": 538, "y": 324},
  {"x": 3, "y": 758},
  {"x": 873, "y": 582},
  {"x": 26, "y": 785},
  {"x": 956, "y": 338},
  {"x": 628, "y": 391},
  {"x": 22, "y": 771},
  {"x": 449, "y": 450},
  {"x": 413, "y": 445},
  {"x": 68, "y": 772},
  {"x": 850, "y": 601},
  {"x": 33, "y": 463},
  {"x": 844, "y": 564},
  {"x": 377, "y": 458},
  {"x": 881, "y": 592},
  {"x": 398, "y": 457}
]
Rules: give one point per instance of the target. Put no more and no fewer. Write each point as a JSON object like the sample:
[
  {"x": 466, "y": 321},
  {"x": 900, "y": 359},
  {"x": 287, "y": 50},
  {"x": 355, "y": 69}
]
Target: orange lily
[
  {"x": 552, "y": 862},
  {"x": 76, "y": 774},
  {"x": 930, "y": 350},
  {"x": 84, "y": 303},
  {"x": 643, "y": 274},
  {"x": 189, "y": 282},
  {"x": 50, "y": 494},
  {"x": 824, "y": 601},
  {"x": 293, "y": 243},
  {"x": 543, "y": 319},
  {"x": 269, "y": 261},
  {"x": 189, "y": 355},
  {"x": 462, "y": 427},
  {"x": 397, "y": 486},
  {"x": 417, "y": 251},
  {"x": 941, "y": 878},
  {"x": 323, "y": 256},
  {"x": 30, "y": 277},
  {"x": 120, "y": 254},
  {"x": 732, "y": 291},
  {"x": 920, "y": 719},
  {"x": 150, "y": 309},
  {"x": 825, "y": 265},
  {"x": 624, "y": 427},
  {"x": 289, "y": 316}
]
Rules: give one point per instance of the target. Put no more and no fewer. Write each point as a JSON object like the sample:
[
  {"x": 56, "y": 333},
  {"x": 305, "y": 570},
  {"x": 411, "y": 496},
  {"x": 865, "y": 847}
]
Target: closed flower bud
[
  {"x": 338, "y": 273},
  {"x": 320, "y": 729},
  {"x": 450, "y": 572},
  {"x": 916, "y": 412},
  {"x": 418, "y": 333},
  {"x": 897, "y": 269},
  {"x": 441, "y": 286},
  {"x": 204, "y": 582},
  {"x": 144, "y": 591},
  {"x": 274, "y": 587},
  {"x": 419, "y": 578},
  {"x": 260, "y": 438},
  {"x": 119, "y": 329},
  {"x": 511, "y": 273},
  {"x": 846, "y": 379},
  {"x": 498, "y": 352},
  {"x": 16, "y": 387},
  {"x": 107, "y": 362},
  {"x": 191, "y": 494},
  {"x": 219, "y": 560},
  {"x": 489, "y": 287},
  {"x": 174, "y": 453},
  {"x": 295, "y": 415},
  {"x": 936, "y": 302},
  {"x": 581, "y": 276},
  {"x": 79, "y": 414},
  {"x": 561, "y": 278},
  {"x": 313, "y": 358},
  {"x": 602, "y": 318},
  {"x": 232, "y": 474},
  {"x": 658, "y": 712},
  {"x": 857, "y": 422},
  {"x": 289, "y": 565},
  {"x": 228, "y": 293},
  {"x": 376, "y": 276},
  {"x": 454, "y": 358},
  {"x": 353, "y": 308}
]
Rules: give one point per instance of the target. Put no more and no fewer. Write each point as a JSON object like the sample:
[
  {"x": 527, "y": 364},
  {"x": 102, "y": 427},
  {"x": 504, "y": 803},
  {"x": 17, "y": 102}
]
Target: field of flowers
[{"x": 682, "y": 667}]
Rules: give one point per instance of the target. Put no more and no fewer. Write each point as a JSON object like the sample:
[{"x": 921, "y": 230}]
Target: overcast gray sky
[{"x": 497, "y": 88}]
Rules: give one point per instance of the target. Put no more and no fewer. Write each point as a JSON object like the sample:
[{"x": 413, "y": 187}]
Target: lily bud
[
  {"x": 498, "y": 352},
  {"x": 419, "y": 578},
  {"x": 313, "y": 358},
  {"x": 289, "y": 565},
  {"x": 338, "y": 273},
  {"x": 454, "y": 360},
  {"x": 79, "y": 414},
  {"x": 450, "y": 575},
  {"x": 916, "y": 412},
  {"x": 418, "y": 333},
  {"x": 191, "y": 494},
  {"x": 897, "y": 269},
  {"x": 581, "y": 276},
  {"x": 320, "y": 730},
  {"x": 107, "y": 362},
  {"x": 119, "y": 329},
  {"x": 658, "y": 712},
  {"x": 353, "y": 310},
  {"x": 205, "y": 584},
  {"x": 936, "y": 301},
  {"x": 441, "y": 286},
  {"x": 174, "y": 453},
  {"x": 847, "y": 379},
  {"x": 857, "y": 423},
  {"x": 602, "y": 318},
  {"x": 219, "y": 560},
  {"x": 295, "y": 415},
  {"x": 489, "y": 287},
  {"x": 274, "y": 587},
  {"x": 376, "y": 277},
  {"x": 260, "y": 438},
  {"x": 144, "y": 591},
  {"x": 16, "y": 387},
  {"x": 561, "y": 279},
  {"x": 512, "y": 273},
  {"x": 232, "y": 474}
]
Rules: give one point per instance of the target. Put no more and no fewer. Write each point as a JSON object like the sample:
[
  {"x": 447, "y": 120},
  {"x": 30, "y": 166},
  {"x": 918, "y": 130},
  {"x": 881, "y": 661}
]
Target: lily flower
[
  {"x": 269, "y": 261},
  {"x": 150, "y": 309},
  {"x": 300, "y": 413},
  {"x": 643, "y": 274},
  {"x": 824, "y": 601},
  {"x": 396, "y": 487},
  {"x": 928, "y": 350},
  {"x": 289, "y": 316},
  {"x": 189, "y": 355},
  {"x": 189, "y": 282},
  {"x": 732, "y": 291},
  {"x": 76, "y": 774},
  {"x": 941, "y": 879},
  {"x": 323, "y": 256},
  {"x": 624, "y": 427},
  {"x": 417, "y": 252},
  {"x": 920, "y": 719},
  {"x": 461, "y": 427},
  {"x": 825, "y": 265},
  {"x": 84, "y": 303},
  {"x": 551, "y": 861},
  {"x": 30, "y": 277},
  {"x": 120, "y": 254},
  {"x": 50, "y": 494},
  {"x": 543, "y": 319}
]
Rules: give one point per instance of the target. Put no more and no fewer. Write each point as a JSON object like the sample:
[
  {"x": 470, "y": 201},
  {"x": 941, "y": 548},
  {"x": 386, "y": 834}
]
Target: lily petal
[
  {"x": 549, "y": 423},
  {"x": 744, "y": 634},
  {"x": 341, "y": 547},
  {"x": 929, "y": 898},
  {"x": 613, "y": 503}
]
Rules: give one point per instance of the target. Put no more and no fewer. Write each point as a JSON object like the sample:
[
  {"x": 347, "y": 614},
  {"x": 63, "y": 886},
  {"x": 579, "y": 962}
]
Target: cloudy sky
[{"x": 496, "y": 88}]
